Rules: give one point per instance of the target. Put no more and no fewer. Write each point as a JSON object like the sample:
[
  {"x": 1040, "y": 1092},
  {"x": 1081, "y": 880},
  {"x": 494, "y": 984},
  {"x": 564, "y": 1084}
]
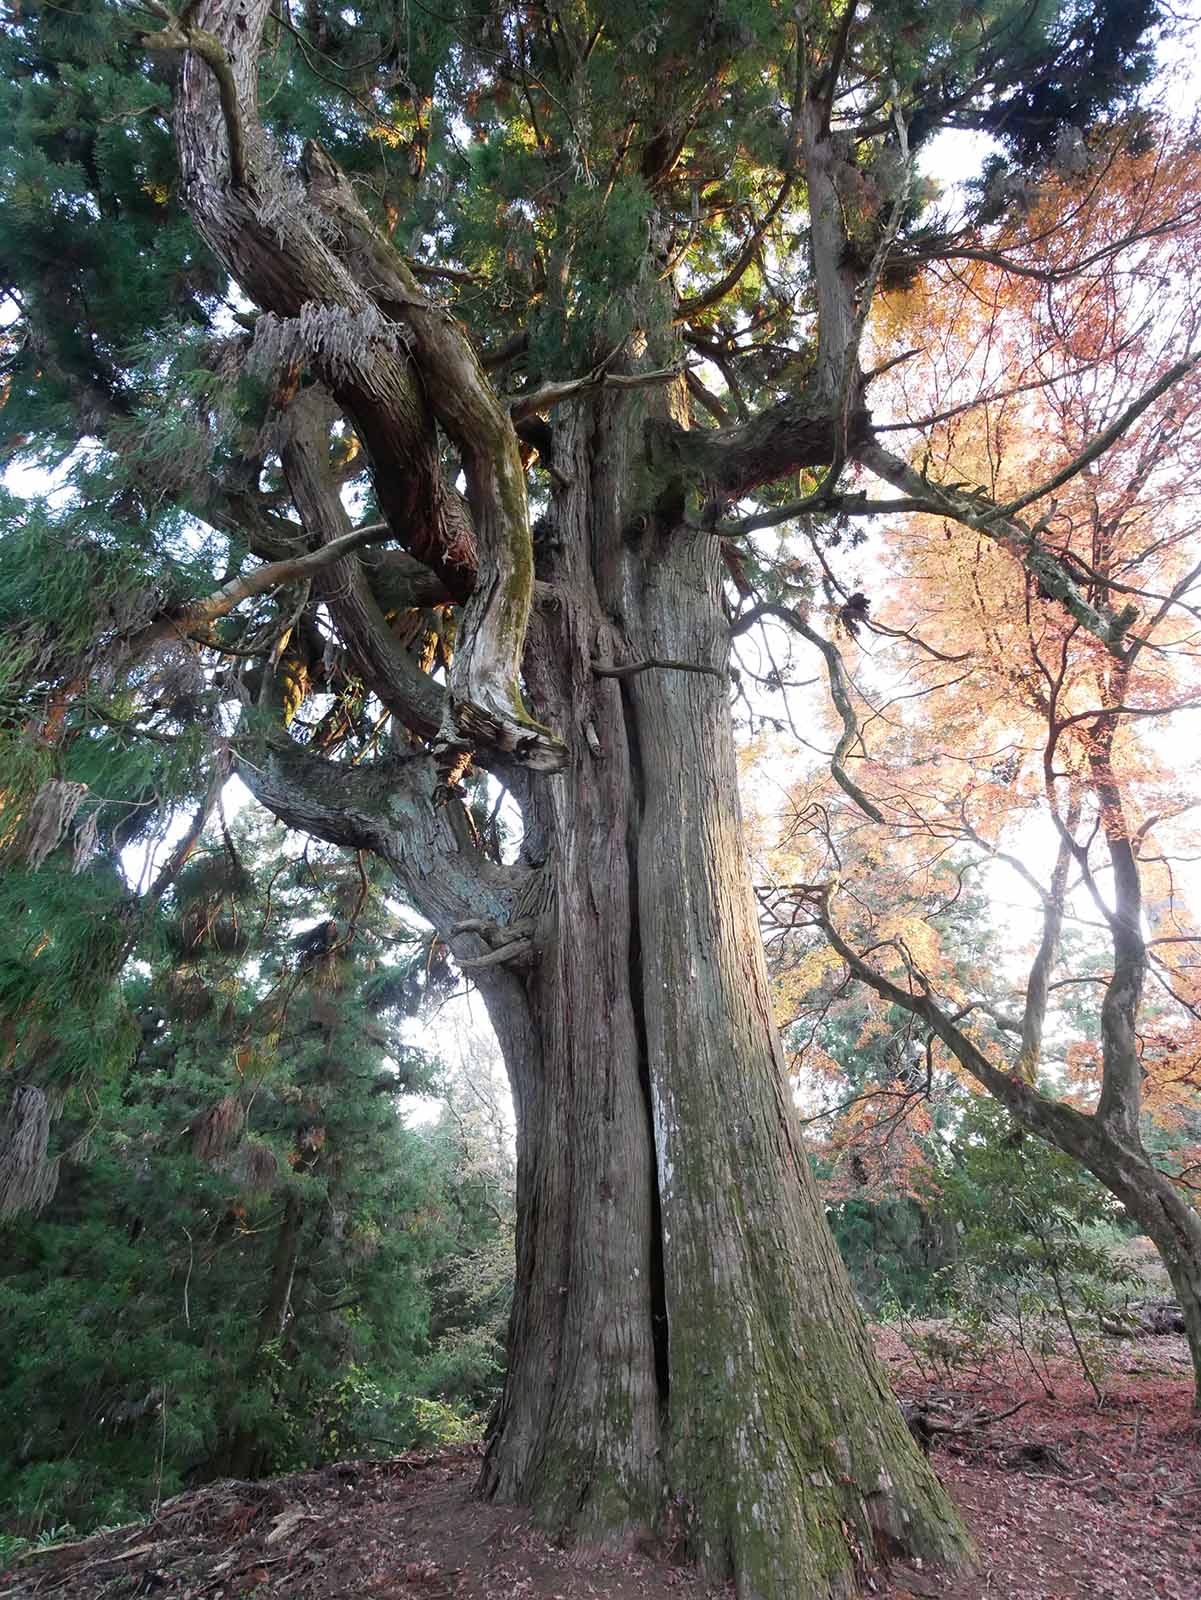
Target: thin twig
[{"x": 632, "y": 667}]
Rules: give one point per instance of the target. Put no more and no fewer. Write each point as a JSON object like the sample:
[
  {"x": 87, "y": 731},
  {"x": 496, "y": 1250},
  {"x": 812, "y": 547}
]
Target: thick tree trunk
[
  {"x": 686, "y": 1349},
  {"x": 782, "y": 1431},
  {"x": 577, "y": 1433}
]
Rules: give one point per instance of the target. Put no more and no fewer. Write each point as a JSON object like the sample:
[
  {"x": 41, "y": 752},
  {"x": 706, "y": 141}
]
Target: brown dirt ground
[{"x": 1066, "y": 1501}]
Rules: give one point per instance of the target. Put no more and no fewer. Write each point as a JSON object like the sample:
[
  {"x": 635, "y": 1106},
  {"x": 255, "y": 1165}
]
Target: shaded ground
[
  {"x": 1067, "y": 1501},
  {"x": 397, "y": 1530}
]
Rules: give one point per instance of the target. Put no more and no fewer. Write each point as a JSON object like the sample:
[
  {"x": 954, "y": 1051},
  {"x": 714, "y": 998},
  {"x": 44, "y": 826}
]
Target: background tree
[
  {"x": 474, "y": 253},
  {"x": 940, "y": 1204},
  {"x": 243, "y": 1267},
  {"x": 1033, "y": 748}
]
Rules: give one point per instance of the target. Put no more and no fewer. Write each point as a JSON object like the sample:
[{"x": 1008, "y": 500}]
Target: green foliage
[
  {"x": 565, "y": 185},
  {"x": 1036, "y": 1253},
  {"x": 245, "y": 1266},
  {"x": 895, "y": 1250},
  {"x": 61, "y": 936},
  {"x": 1039, "y": 1238}
]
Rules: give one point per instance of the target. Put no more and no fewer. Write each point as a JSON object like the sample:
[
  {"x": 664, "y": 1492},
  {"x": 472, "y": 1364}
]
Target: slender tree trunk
[
  {"x": 1172, "y": 1225},
  {"x": 685, "y": 1344},
  {"x": 1175, "y": 1230},
  {"x": 1108, "y": 1142},
  {"x": 242, "y": 1455}
]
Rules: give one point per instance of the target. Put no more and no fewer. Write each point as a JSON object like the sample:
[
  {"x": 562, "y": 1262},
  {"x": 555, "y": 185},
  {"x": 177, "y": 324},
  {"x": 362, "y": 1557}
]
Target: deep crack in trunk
[
  {"x": 638, "y": 998},
  {"x": 754, "y": 1420}
]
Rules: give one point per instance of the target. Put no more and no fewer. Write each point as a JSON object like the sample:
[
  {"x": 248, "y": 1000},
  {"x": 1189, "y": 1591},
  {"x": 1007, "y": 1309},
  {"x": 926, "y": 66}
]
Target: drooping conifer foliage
[
  {"x": 233, "y": 1273},
  {"x": 419, "y": 379}
]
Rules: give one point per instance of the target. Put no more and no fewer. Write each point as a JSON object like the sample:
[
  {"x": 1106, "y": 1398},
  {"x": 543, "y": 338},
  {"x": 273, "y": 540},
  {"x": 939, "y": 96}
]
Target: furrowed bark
[
  {"x": 577, "y": 1433},
  {"x": 785, "y": 1447},
  {"x": 738, "y": 1395},
  {"x": 685, "y": 1346},
  {"x": 834, "y": 280}
]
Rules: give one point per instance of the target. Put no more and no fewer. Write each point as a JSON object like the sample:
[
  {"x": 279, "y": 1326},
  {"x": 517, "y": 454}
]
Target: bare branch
[
  {"x": 840, "y": 693},
  {"x": 1072, "y": 1130},
  {"x": 976, "y": 510},
  {"x": 1047, "y": 275},
  {"x": 1104, "y": 440},
  {"x": 628, "y": 671},
  {"x": 551, "y": 394},
  {"x": 507, "y": 955},
  {"x": 276, "y": 573},
  {"x": 999, "y": 394}
]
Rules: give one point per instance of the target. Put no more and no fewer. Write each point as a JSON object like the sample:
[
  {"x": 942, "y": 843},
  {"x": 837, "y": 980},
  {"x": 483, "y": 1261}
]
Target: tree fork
[
  {"x": 396, "y": 362},
  {"x": 776, "y": 1447}
]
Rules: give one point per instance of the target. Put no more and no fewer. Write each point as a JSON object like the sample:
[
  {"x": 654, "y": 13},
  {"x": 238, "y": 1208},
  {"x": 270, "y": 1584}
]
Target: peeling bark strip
[
  {"x": 28, "y": 1174},
  {"x": 485, "y": 706},
  {"x": 396, "y": 385}
]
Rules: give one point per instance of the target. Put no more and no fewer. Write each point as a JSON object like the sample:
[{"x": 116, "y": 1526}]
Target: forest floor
[{"x": 1066, "y": 1499}]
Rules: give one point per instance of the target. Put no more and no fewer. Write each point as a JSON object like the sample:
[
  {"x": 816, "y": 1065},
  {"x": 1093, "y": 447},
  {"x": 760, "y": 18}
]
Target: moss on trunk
[{"x": 729, "y": 1390}]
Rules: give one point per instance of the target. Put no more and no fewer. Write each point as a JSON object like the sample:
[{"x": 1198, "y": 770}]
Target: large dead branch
[
  {"x": 194, "y": 620},
  {"x": 552, "y": 394},
  {"x": 1103, "y": 441},
  {"x": 484, "y": 705},
  {"x": 345, "y": 302}
]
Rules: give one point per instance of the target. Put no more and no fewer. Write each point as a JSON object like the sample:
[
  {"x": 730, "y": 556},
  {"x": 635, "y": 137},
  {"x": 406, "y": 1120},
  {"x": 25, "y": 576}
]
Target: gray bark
[
  {"x": 735, "y": 1379},
  {"x": 577, "y": 1432}
]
